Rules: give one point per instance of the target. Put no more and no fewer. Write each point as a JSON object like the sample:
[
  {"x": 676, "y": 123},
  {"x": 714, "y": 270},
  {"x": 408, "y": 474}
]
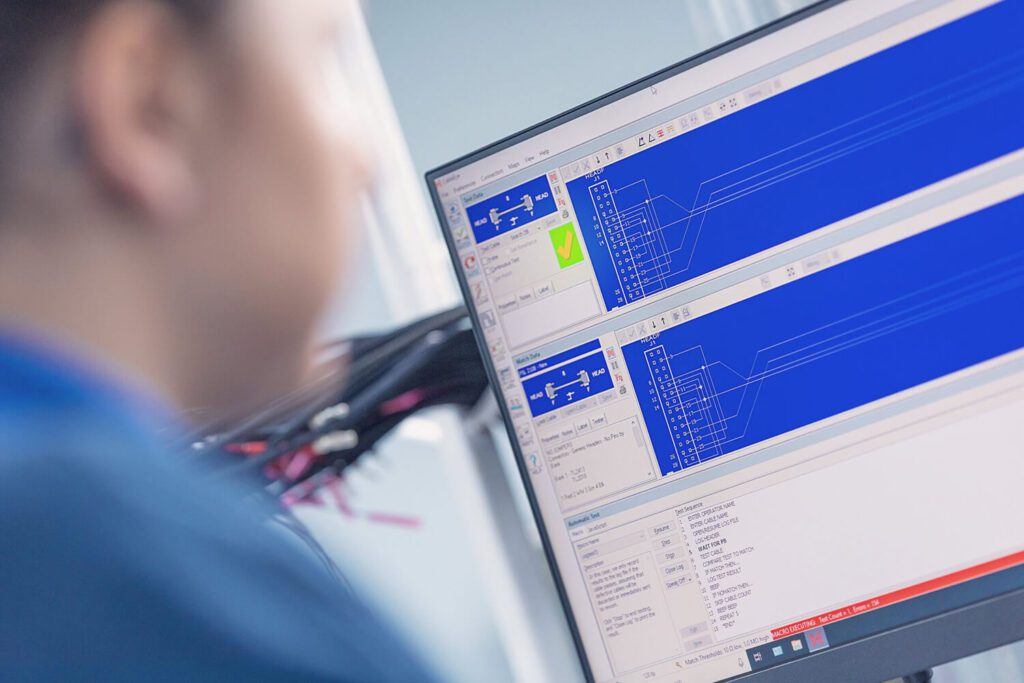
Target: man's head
[{"x": 176, "y": 184}]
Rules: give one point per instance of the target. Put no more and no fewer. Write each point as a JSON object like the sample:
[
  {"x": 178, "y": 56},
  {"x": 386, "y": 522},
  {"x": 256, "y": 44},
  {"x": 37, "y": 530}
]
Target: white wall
[{"x": 464, "y": 73}]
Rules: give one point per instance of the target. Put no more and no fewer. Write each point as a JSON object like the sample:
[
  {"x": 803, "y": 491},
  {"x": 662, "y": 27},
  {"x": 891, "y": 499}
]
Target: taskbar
[{"x": 892, "y": 610}]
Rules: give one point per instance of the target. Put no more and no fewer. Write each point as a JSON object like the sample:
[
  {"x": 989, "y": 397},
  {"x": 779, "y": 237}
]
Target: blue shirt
[{"x": 120, "y": 563}]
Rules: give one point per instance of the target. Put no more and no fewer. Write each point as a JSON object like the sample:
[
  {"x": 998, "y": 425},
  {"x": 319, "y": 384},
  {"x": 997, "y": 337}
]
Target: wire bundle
[{"x": 365, "y": 389}]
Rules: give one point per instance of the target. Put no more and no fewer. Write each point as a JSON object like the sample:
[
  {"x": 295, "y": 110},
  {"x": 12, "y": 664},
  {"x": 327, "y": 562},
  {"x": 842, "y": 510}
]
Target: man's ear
[{"x": 136, "y": 95}]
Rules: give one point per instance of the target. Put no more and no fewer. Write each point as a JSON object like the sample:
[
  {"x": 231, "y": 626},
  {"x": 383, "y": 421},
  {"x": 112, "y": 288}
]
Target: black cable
[
  {"x": 360, "y": 406},
  {"x": 365, "y": 355},
  {"x": 397, "y": 344},
  {"x": 317, "y": 391},
  {"x": 466, "y": 394},
  {"x": 430, "y": 362},
  {"x": 337, "y": 462},
  {"x": 370, "y": 368}
]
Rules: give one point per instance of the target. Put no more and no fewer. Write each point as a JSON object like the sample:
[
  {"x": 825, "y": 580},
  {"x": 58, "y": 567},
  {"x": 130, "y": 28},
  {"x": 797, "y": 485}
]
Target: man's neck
[{"x": 92, "y": 295}]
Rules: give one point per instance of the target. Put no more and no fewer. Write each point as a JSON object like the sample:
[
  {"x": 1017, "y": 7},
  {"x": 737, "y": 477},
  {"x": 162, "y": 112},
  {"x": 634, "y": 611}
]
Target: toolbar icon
[
  {"x": 816, "y": 639},
  {"x": 487, "y": 320},
  {"x": 480, "y": 295}
]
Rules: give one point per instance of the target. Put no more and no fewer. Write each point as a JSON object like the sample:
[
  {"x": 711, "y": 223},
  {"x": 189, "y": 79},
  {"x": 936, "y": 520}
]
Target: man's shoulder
[{"x": 117, "y": 550}]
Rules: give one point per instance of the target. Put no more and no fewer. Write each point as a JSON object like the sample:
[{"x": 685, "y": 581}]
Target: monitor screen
[{"x": 757, "y": 327}]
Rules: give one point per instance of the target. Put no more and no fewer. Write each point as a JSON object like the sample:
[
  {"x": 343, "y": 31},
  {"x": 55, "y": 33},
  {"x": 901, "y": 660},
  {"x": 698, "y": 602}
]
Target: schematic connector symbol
[
  {"x": 582, "y": 379},
  {"x": 569, "y": 381},
  {"x": 526, "y": 205}
]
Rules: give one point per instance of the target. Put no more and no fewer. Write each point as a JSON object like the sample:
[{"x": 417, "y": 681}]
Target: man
[{"x": 175, "y": 189}]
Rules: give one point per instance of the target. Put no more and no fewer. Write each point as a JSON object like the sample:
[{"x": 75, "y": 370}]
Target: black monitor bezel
[{"x": 943, "y": 638}]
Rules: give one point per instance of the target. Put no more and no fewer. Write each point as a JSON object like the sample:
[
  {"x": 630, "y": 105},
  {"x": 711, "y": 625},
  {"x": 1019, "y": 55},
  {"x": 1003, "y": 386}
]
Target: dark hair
[{"x": 29, "y": 28}]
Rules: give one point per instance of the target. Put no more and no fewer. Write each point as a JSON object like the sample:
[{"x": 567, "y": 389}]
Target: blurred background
[{"x": 433, "y": 527}]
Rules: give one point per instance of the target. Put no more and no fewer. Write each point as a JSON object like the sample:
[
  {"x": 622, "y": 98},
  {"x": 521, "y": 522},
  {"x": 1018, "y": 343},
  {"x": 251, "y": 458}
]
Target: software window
[{"x": 739, "y": 317}]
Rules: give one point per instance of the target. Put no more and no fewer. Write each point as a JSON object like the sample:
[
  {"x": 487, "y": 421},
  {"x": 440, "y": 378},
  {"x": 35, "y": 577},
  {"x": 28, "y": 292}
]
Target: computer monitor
[{"x": 757, "y": 328}]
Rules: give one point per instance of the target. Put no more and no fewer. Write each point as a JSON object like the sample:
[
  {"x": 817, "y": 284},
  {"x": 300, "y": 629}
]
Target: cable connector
[
  {"x": 336, "y": 442},
  {"x": 328, "y": 415}
]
